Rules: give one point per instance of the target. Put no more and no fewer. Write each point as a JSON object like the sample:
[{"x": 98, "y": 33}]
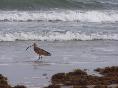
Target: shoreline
[
  {"x": 4, "y": 83},
  {"x": 77, "y": 79},
  {"x": 81, "y": 79}
]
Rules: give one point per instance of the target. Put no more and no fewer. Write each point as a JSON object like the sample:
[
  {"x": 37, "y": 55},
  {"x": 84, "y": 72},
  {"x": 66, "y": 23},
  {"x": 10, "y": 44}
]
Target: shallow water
[
  {"x": 20, "y": 67},
  {"x": 78, "y": 33}
]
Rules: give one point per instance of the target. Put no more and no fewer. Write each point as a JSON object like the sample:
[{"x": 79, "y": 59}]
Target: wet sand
[
  {"x": 20, "y": 68},
  {"x": 77, "y": 79}
]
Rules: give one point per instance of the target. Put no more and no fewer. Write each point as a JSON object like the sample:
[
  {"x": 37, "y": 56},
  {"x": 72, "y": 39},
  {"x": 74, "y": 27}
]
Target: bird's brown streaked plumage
[{"x": 39, "y": 51}]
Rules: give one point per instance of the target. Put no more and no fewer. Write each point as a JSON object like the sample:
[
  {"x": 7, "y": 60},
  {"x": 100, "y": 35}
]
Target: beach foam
[
  {"x": 56, "y": 36},
  {"x": 60, "y": 15}
]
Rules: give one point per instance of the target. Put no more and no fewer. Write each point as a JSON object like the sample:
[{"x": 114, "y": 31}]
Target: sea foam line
[
  {"x": 60, "y": 15},
  {"x": 56, "y": 36}
]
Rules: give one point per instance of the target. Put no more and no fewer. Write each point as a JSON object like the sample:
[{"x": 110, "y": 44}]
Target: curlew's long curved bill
[{"x": 28, "y": 47}]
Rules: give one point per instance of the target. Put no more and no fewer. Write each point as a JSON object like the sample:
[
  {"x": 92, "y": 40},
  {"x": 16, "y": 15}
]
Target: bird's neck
[{"x": 35, "y": 45}]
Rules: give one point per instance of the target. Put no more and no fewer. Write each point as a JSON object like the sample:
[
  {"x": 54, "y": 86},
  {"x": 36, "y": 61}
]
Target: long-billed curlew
[{"x": 39, "y": 51}]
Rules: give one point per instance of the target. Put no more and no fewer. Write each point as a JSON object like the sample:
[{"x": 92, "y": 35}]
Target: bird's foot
[{"x": 38, "y": 58}]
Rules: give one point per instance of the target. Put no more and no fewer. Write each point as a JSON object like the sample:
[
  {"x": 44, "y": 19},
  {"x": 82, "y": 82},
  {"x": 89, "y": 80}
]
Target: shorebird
[{"x": 39, "y": 51}]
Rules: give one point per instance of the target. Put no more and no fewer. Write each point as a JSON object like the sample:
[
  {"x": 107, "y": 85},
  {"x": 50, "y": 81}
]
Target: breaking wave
[
  {"x": 59, "y": 15},
  {"x": 56, "y": 36}
]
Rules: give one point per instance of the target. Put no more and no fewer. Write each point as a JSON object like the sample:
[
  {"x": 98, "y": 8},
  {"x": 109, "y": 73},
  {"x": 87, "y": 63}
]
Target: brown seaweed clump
[
  {"x": 80, "y": 79},
  {"x": 19, "y": 86},
  {"x": 100, "y": 86},
  {"x": 53, "y": 86},
  {"x": 72, "y": 78},
  {"x": 4, "y": 83},
  {"x": 108, "y": 71},
  {"x": 109, "y": 74}
]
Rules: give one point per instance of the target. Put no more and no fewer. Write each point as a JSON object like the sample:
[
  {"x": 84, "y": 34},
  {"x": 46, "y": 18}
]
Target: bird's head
[{"x": 34, "y": 44}]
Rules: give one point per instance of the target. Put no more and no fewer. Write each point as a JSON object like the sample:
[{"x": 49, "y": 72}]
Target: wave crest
[
  {"x": 69, "y": 15},
  {"x": 56, "y": 36}
]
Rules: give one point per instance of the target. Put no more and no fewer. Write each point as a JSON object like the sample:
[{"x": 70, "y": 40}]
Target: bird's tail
[{"x": 49, "y": 54}]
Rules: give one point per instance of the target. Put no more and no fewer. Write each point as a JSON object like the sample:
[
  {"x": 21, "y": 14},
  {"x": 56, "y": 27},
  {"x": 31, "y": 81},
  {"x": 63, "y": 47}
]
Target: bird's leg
[{"x": 39, "y": 57}]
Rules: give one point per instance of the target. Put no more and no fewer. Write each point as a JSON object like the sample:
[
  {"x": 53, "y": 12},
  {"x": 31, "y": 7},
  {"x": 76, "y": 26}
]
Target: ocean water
[{"x": 78, "y": 34}]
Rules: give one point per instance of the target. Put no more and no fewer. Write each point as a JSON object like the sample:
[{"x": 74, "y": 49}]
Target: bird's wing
[{"x": 46, "y": 52}]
